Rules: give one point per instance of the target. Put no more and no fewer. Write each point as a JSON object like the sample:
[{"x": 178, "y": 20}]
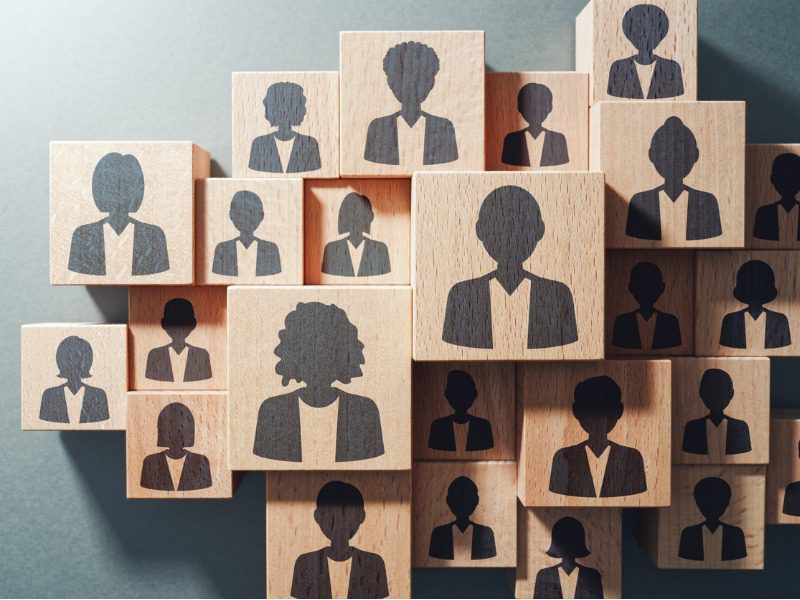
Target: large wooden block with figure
[
  {"x": 772, "y": 188},
  {"x": 783, "y": 471}
]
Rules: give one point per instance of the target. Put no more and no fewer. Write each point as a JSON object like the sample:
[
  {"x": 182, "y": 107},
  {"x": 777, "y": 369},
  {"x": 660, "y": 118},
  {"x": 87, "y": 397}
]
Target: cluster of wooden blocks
[{"x": 572, "y": 281}]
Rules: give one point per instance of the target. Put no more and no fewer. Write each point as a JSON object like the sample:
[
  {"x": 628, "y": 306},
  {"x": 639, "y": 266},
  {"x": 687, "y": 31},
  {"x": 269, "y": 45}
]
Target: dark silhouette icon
[
  {"x": 712, "y": 496},
  {"x": 411, "y": 69},
  {"x": 791, "y": 498},
  {"x": 339, "y": 514},
  {"x": 646, "y": 285},
  {"x": 568, "y": 543},
  {"x": 355, "y": 218},
  {"x": 598, "y": 467},
  {"x": 169, "y": 363},
  {"x": 645, "y": 26},
  {"x": 755, "y": 286},
  {"x": 674, "y": 152},
  {"x": 785, "y": 179},
  {"x": 176, "y": 433},
  {"x": 535, "y": 103},
  {"x": 284, "y": 150},
  {"x": 460, "y": 393},
  {"x": 118, "y": 189},
  {"x": 462, "y": 499},
  {"x": 74, "y": 359},
  {"x": 318, "y": 345},
  {"x": 246, "y": 214},
  {"x": 716, "y": 391},
  {"x": 510, "y": 226}
]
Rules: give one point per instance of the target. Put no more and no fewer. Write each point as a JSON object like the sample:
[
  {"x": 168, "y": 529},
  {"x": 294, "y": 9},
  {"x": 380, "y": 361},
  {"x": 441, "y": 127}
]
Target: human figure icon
[
  {"x": 598, "y": 467},
  {"x": 178, "y": 361},
  {"x": 645, "y": 75},
  {"x": 535, "y": 145},
  {"x": 791, "y": 498},
  {"x": 318, "y": 346},
  {"x": 694, "y": 213},
  {"x": 74, "y": 401},
  {"x": 510, "y": 226},
  {"x": 712, "y": 539},
  {"x": 411, "y": 135},
  {"x": 356, "y": 255},
  {"x": 569, "y": 578},
  {"x": 284, "y": 150},
  {"x": 176, "y": 468},
  {"x": 246, "y": 254},
  {"x": 755, "y": 326},
  {"x": 462, "y": 538},
  {"x": 780, "y": 220},
  {"x": 646, "y": 328},
  {"x": 118, "y": 244},
  {"x": 339, "y": 570},
  {"x": 460, "y": 430}
]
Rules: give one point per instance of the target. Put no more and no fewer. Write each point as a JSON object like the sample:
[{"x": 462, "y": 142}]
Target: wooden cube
[
  {"x": 121, "y": 213},
  {"x": 265, "y": 214},
  {"x": 478, "y": 496},
  {"x": 783, "y": 471},
  {"x": 286, "y": 124},
  {"x": 772, "y": 187},
  {"x": 594, "y": 434},
  {"x": 177, "y": 445},
  {"x": 318, "y": 381},
  {"x": 674, "y": 173},
  {"x": 411, "y": 101},
  {"x": 74, "y": 376},
  {"x": 345, "y": 211},
  {"x": 471, "y": 226},
  {"x": 522, "y": 105},
  {"x": 302, "y": 510}
]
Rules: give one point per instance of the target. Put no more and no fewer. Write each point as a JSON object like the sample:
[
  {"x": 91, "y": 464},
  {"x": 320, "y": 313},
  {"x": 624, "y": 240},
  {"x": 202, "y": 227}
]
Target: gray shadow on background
[{"x": 111, "y": 301}]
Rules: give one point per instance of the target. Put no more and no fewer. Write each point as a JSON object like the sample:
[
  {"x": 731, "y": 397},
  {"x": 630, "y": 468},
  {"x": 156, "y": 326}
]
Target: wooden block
[
  {"x": 318, "y": 381},
  {"x": 178, "y": 437},
  {"x": 338, "y": 213},
  {"x": 268, "y": 213},
  {"x": 731, "y": 287},
  {"x": 521, "y": 104},
  {"x": 57, "y": 358},
  {"x": 783, "y": 471},
  {"x": 374, "y": 510},
  {"x": 695, "y": 148},
  {"x": 391, "y": 80},
  {"x": 772, "y": 187},
  {"x": 162, "y": 321},
  {"x": 286, "y": 124},
  {"x": 480, "y": 496},
  {"x": 144, "y": 190},
  {"x": 619, "y": 407},
  {"x": 466, "y": 224}
]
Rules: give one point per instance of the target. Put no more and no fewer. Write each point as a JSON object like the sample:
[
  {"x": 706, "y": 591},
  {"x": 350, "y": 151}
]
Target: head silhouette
[
  {"x": 178, "y": 320},
  {"x": 118, "y": 183},
  {"x": 755, "y": 284},
  {"x": 716, "y": 389},
  {"x": 411, "y": 69},
  {"x": 74, "y": 358},
  {"x": 175, "y": 426},
  {"x": 535, "y": 103},
  {"x": 568, "y": 539},
  {"x": 597, "y": 405},
  {"x": 673, "y": 150},
  {"x": 462, "y": 497},
  {"x": 247, "y": 211},
  {"x": 355, "y": 214},
  {"x": 712, "y": 496},
  {"x": 460, "y": 390},
  {"x": 340, "y": 511},
  {"x": 786, "y": 175},
  {"x": 645, "y": 26},
  {"x": 285, "y": 105},
  {"x": 646, "y": 283},
  {"x": 510, "y": 224}
]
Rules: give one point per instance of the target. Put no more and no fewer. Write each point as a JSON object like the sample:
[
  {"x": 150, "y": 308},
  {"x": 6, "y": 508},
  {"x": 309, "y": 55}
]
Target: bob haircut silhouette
[
  {"x": 505, "y": 211},
  {"x": 597, "y": 397},
  {"x": 716, "y": 384},
  {"x": 411, "y": 67},
  {"x": 535, "y": 99},
  {"x": 175, "y": 426},
  {"x": 460, "y": 388},
  {"x": 178, "y": 311},
  {"x": 118, "y": 183},
  {"x": 246, "y": 211},
  {"x": 74, "y": 358},
  {"x": 645, "y": 26},
  {"x": 336, "y": 494},
  {"x": 355, "y": 213},
  {"x": 712, "y": 496},
  {"x": 755, "y": 283},
  {"x": 568, "y": 539},
  {"x": 285, "y": 103}
]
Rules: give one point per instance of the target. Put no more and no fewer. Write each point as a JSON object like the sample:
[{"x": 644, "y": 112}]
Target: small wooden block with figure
[
  {"x": 772, "y": 188},
  {"x": 783, "y": 471}
]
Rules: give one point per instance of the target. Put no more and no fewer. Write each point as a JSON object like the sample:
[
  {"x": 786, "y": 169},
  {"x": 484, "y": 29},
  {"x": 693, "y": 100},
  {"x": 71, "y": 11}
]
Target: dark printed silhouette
[
  {"x": 74, "y": 359},
  {"x": 785, "y": 179},
  {"x": 535, "y": 103},
  {"x": 460, "y": 393},
  {"x": 598, "y": 407},
  {"x": 645, "y": 26},
  {"x": 178, "y": 322},
  {"x": 712, "y": 496},
  {"x": 791, "y": 498},
  {"x": 318, "y": 345},
  {"x": 118, "y": 189},
  {"x": 284, "y": 108},
  {"x": 755, "y": 286},
  {"x": 355, "y": 218},
  {"x": 568, "y": 543},
  {"x": 411, "y": 69},
  {"x": 176, "y": 433},
  {"x": 339, "y": 514},
  {"x": 510, "y": 227},
  {"x": 462, "y": 499}
]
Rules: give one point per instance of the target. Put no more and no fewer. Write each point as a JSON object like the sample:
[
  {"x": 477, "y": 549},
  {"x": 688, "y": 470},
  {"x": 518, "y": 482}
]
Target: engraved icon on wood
[
  {"x": 569, "y": 578},
  {"x": 780, "y": 220},
  {"x": 712, "y": 539},
  {"x": 178, "y": 360},
  {"x": 461, "y": 430},
  {"x": 535, "y": 145},
  {"x": 462, "y": 538},
  {"x": 791, "y": 498}
]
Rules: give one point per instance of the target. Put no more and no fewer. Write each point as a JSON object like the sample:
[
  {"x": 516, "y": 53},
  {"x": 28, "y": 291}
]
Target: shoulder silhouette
[
  {"x": 460, "y": 393},
  {"x": 462, "y": 500},
  {"x": 355, "y": 220},
  {"x": 712, "y": 496},
  {"x": 178, "y": 323},
  {"x": 785, "y": 178},
  {"x": 535, "y": 103},
  {"x": 791, "y": 498},
  {"x": 569, "y": 544}
]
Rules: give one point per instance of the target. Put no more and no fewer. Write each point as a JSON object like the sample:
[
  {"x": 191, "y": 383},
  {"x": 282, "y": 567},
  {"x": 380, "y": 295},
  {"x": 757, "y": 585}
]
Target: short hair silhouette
[
  {"x": 716, "y": 389},
  {"x": 460, "y": 389},
  {"x": 712, "y": 496},
  {"x": 340, "y": 510},
  {"x": 568, "y": 539},
  {"x": 175, "y": 426},
  {"x": 510, "y": 224},
  {"x": 597, "y": 404},
  {"x": 285, "y": 104},
  {"x": 246, "y": 211},
  {"x": 118, "y": 183},
  {"x": 673, "y": 149},
  {"x": 178, "y": 317},
  {"x": 74, "y": 357},
  {"x": 646, "y": 283},
  {"x": 535, "y": 102},
  {"x": 355, "y": 214},
  {"x": 645, "y": 26},
  {"x": 462, "y": 497},
  {"x": 411, "y": 69},
  {"x": 755, "y": 283},
  {"x": 785, "y": 176}
]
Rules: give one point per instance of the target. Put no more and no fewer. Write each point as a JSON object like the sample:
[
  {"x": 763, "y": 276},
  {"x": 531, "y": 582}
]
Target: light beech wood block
[
  {"x": 466, "y": 225},
  {"x": 303, "y": 512},
  {"x": 783, "y": 471},
  {"x": 438, "y": 79},
  {"x": 73, "y": 376},
  {"x": 772, "y": 187},
  {"x": 341, "y": 212},
  {"x": 694, "y": 150},
  {"x": 122, "y": 213},
  {"x": 317, "y": 380}
]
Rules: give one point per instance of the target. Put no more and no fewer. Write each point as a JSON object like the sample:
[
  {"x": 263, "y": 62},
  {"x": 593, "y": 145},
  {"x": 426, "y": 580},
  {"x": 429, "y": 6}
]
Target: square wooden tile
[{"x": 772, "y": 187}]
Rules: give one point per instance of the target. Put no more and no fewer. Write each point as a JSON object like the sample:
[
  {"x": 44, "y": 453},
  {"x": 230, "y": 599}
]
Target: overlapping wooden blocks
[
  {"x": 783, "y": 472},
  {"x": 773, "y": 184}
]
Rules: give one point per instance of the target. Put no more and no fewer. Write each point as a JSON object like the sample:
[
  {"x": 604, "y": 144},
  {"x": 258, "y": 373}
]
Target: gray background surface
[{"x": 160, "y": 70}]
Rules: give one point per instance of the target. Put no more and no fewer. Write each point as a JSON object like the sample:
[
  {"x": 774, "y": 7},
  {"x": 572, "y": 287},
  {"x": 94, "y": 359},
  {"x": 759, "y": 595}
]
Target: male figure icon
[
  {"x": 473, "y": 433},
  {"x": 451, "y": 538}
]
